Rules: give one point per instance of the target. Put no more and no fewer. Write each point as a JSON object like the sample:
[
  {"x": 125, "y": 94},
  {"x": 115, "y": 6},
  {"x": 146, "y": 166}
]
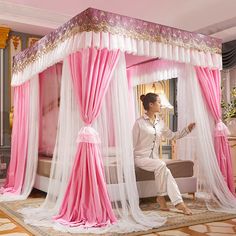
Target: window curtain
[
  {"x": 19, "y": 148},
  {"x": 229, "y": 54},
  {"x": 209, "y": 81},
  {"x": 86, "y": 200}
]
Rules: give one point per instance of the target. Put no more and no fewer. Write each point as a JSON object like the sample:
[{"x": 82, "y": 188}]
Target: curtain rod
[{"x": 143, "y": 62}]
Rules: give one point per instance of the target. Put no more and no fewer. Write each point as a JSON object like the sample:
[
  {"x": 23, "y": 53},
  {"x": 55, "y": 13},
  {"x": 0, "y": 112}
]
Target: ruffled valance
[
  {"x": 154, "y": 71},
  {"x": 100, "y": 29}
]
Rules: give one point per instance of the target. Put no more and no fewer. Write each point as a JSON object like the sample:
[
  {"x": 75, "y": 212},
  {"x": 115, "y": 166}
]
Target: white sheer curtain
[
  {"x": 68, "y": 124},
  {"x": 118, "y": 160},
  {"x": 32, "y": 160},
  {"x": 186, "y": 147},
  {"x": 191, "y": 107}
]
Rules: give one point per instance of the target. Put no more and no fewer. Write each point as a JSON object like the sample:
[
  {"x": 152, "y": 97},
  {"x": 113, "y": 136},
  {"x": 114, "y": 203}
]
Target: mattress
[
  {"x": 44, "y": 162},
  {"x": 44, "y": 166},
  {"x": 178, "y": 168}
]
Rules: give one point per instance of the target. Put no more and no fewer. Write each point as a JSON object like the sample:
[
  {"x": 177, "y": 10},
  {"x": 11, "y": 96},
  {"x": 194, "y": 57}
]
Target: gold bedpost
[{"x": 11, "y": 115}]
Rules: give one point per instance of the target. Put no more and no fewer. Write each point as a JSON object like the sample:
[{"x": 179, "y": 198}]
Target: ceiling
[{"x": 211, "y": 17}]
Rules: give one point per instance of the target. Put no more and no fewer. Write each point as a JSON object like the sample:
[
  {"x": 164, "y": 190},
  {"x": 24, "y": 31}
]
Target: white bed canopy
[{"x": 92, "y": 39}]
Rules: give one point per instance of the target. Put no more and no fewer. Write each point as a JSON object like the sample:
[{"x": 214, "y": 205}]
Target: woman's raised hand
[{"x": 191, "y": 126}]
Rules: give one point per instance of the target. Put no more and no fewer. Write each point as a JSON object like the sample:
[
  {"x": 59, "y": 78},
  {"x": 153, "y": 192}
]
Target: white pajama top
[{"x": 147, "y": 136}]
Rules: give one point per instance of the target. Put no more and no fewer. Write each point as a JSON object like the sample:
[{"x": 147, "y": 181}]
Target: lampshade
[{"x": 164, "y": 101}]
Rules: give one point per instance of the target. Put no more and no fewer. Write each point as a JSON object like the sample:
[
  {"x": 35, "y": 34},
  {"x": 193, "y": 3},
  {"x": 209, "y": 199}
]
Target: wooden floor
[{"x": 10, "y": 227}]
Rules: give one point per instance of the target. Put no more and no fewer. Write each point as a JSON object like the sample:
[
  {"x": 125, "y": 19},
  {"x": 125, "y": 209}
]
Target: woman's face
[{"x": 156, "y": 106}]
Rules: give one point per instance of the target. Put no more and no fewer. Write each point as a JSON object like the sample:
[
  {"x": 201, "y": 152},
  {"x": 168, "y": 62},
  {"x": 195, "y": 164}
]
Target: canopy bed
[{"x": 92, "y": 95}]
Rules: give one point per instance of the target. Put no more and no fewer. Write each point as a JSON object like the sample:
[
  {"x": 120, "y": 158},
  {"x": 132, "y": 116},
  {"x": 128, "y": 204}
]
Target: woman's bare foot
[
  {"x": 182, "y": 207},
  {"x": 162, "y": 202}
]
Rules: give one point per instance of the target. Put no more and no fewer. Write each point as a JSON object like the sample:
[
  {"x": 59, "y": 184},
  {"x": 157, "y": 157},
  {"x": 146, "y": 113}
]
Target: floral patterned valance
[{"x": 100, "y": 21}]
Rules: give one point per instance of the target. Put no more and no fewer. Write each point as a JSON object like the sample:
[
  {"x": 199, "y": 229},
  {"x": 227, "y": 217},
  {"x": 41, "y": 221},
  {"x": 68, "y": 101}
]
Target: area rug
[{"x": 175, "y": 218}]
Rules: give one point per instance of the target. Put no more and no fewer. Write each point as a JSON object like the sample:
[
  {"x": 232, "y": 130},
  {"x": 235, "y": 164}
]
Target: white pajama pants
[{"x": 166, "y": 184}]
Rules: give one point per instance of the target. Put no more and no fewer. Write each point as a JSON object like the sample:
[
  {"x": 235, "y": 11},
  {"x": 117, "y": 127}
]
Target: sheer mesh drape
[
  {"x": 69, "y": 123},
  {"x": 211, "y": 183},
  {"x": 210, "y": 83}
]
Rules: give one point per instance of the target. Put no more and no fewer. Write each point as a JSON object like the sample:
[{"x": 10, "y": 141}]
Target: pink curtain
[
  {"x": 19, "y": 143},
  {"x": 86, "y": 202},
  {"x": 210, "y": 83}
]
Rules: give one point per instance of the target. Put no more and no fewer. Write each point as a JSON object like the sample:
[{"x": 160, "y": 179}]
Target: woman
[{"x": 147, "y": 133}]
